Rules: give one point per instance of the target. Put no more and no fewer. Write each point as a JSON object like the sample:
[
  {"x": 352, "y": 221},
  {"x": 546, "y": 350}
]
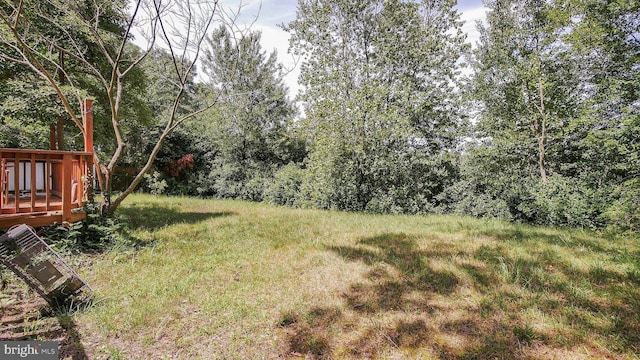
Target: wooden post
[
  {"x": 87, "y": 119},
  {"x": 4, "y": 185},
  {"x": 34, "y": 181},
  {"x": 67, "y": 176},
  {"x": 16, "y": 181},
  {"x": 47, "y": 182}
]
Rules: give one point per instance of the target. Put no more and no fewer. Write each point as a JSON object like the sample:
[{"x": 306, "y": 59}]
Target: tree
[
  {"x": 525, "y": 81},
  {"x": 379, "y": 83},
  {"x": 605, "y": 42},
  {"x": 250, "y": 126},
  {"x": 555, "y": 82},
  {"x": 96, "y": 37}
]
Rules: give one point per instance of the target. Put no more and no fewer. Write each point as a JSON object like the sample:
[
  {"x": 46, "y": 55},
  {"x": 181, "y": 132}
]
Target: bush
[
  {"x": 284, "y": 189},
  {"x": 463, "y": 198},
  {"x": 155, "y": 183},
  {"x": 624, "y": 214},
  {"x": 399, "y": 200},
  {"x": 564, "y": 201},
  {"x": 253, "y": 189},
  {"x": 95, "y": 233}
]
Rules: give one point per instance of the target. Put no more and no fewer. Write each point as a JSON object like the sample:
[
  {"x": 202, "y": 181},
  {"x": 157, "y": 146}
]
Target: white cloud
[
  {"x": 275, "y": 12},
  {"x": 470, "y": 16},
  {"x": 274, "y": 38},
  {"x": 266, "y": 15}
]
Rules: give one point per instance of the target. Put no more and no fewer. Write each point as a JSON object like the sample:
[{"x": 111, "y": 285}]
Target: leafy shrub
[
  {"x": 464, "y": 198},
  {"x": 326, "y": 185},
  {"x": 97, "y": 232},
  {"x": 284, "y": 189},
  {"x": 624, "y": 213},
  {"x": 563, "y": 201},
  {"x": 399, "y": 200},
  {"x": 155, "y": 183},
  {"x": 253, "y": 189}
]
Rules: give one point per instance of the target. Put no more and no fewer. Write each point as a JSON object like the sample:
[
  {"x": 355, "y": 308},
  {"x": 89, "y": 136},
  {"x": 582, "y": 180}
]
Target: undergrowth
[{"x": 96, "y": 233}]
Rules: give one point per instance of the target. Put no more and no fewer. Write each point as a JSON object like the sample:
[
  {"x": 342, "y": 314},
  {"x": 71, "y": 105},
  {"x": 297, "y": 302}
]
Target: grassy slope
[{"x": 232, "y": 279}]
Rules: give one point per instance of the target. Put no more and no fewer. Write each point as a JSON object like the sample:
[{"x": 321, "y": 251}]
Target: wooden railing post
[
  {"x": 67, "y": 176},
  {"x": 87, "y": 181},
  {"x": 34, "y": 181},
  {"x": 16, "y": 182},
  {"x": 4, "y": 184},
  {"x": 48, "y": 183}
]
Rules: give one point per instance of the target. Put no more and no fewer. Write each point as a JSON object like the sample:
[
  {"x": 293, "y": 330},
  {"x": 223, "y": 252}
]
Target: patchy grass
[{"x": 230, "y": 279}]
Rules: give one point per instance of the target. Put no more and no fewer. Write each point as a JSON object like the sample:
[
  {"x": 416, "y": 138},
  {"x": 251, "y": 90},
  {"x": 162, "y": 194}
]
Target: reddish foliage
[{"x": 175, "y": 167}]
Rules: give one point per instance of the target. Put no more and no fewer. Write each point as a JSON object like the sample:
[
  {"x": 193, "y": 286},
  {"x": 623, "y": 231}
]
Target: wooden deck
[
  {"x": 24, "y": 204},
  {"x": 44, "y": 187},
  {"x": 51, "y": 186},
  {"x": 41, "y": 214}
]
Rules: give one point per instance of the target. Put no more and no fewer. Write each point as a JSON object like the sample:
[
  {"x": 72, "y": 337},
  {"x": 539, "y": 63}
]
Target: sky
[{"x": 266, "y": 15}]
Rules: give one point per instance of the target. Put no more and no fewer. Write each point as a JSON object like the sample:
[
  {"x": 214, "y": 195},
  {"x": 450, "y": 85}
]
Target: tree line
[{"x": 538, "y": 122}]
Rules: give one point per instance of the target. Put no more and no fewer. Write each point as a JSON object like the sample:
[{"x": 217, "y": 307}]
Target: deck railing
[{"x": 37, "y": 181}]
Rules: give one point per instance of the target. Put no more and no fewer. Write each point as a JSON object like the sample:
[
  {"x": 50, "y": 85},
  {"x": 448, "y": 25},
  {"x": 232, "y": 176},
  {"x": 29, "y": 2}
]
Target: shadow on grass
[
  {"x": 308, "y": 334},
  {"x": 399, "y": 269},
  {"x": 71, "y": 344},
  {"x": 29, "y": 318},
  {"x": 595, "y": 299},
  {"x": 486, "y": 308},
  {"x": 153, "y": 217},
  {"x": 520, "y": 233},
  {"x": 401, "y": 287}
]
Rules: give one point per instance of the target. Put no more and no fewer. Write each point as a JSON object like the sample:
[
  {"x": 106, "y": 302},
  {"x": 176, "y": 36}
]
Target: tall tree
[
  {"x": 605, "y": 42},
  {"x": 379, "y": 85},
  {"x": 524, "y": 81},
  {"x": 557, "y": 85},
  {"x": 250, "y": 126}
]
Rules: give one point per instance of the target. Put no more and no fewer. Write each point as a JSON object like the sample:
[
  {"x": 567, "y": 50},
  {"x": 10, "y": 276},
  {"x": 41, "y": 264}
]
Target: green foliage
[
  {"x": 57, "y": 34},
  {"x": 28, "y": 108},
  {"x": 380, "y": 79},
  {"x": 179, "y": 164},
  {"x": 558, "y": 102},
  {"x": 249, "y": 135},
  {"x": 464, "y": 198},
  {"x": 564, "y": 202},
  {"x": 284, "y": 189},
  {"x": 155, "y": 183},
  {"x": 526, "y": 82},
  {"x": 624, "y": 213},
  {"x": 560, "y": 201},
  {"x": 96, "y": 233}
]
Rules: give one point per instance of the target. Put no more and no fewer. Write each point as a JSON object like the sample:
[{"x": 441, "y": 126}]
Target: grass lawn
[{"x": 238, "y": 280}]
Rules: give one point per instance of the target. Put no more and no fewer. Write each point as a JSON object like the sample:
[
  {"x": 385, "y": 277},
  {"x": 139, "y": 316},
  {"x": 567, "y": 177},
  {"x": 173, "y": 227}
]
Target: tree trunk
[{"x": 60, "y": 132}]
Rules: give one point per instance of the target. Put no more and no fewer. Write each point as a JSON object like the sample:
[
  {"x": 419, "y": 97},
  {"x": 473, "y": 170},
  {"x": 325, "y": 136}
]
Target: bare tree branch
[
  {"x": 179, "y": 26},
  {"x": 35, "y": 64}
]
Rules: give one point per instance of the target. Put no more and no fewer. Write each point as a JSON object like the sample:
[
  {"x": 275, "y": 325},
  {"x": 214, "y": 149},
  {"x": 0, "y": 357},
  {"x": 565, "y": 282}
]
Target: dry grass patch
[{"x": 237, "y": 280}]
